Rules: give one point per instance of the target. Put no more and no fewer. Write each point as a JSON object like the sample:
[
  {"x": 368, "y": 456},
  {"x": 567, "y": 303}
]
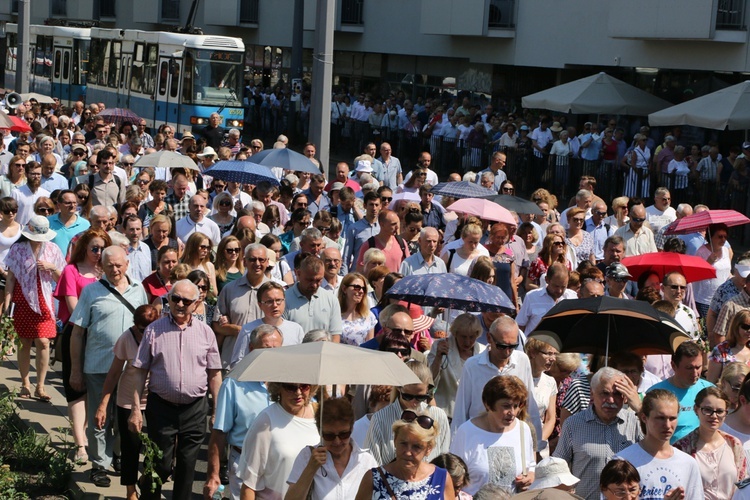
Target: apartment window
[
  {"x": 351, "y": 11},
  {"x": 14, "y": 6},
  {"x": 730, "y": 15},
  {"x": 170, "y": 10},
  {"x": 104, "y": 8},
  {"x": 58, "y": 8},
  {"x": 501, "y": 14},
  {"x": 249, "y": 11}
]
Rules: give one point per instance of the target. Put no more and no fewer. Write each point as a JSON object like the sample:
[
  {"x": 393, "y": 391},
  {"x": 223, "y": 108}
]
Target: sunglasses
[
  {"x": 677, "y": 287},
  {"x": 177, "y": 299},
  {"x": 323, "y": 229},
  {"x": 508, "y": 190},
  {"x": 637, "y": 220},
  {"x": 386, "y": 199},
  {"x": 403, "y": 351},
  {"x": 96, "y": 250},
  {"x": 225, "y": 203},
  {"x": 83, "y": 198},
  {"x": 402, "y": 331},
  {"x": 10, "y": 212},
  {"x": 45, "y": 210},
  {"x": 559, "y": 243},
  {"x": 745, "y": 326},
  {"x": 259, "y": 260},
  {"x": 422, "y": 398},
  {"x": 205, "y": 247},
  {"x": 330, "y": 436},
  {"x": 127, "y": 164},
  {"x": 293, "y": 388},
  {"x": 357, "y": 288},
  {"x": 143, "y": 182},
  {"x": 424, "y": 421},
  {"x": 202, "y": 288},
  {"x": 502, "y": 346},
  {"x": 232, "y": 250},
  {"x": 78, "y": 153},
  {"x": 618, "y": 280}
]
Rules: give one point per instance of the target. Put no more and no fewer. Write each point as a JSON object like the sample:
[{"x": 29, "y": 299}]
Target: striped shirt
[
  {"x": 177, "y": 358},
  {"x": 587, "y": 444},
  {"x": 729, "y": 309},
  {"x": 380, "y": 434}
]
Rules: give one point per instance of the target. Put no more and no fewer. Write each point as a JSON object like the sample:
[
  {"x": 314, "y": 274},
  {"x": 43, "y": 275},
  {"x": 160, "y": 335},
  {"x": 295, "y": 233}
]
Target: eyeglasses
[
  {"x": 273, "y": 302},
  {"x": 293, "y": 388},
  {"x": 205, "y": 247},
  {"x": 12, "y": 211},
  {"x": 232, "y": 250},
  {"x": 502, "y": 346},
  {"x": 403, "y": 351},
  {"x": 260, "y": 260},
  {"x": 578, "y": 220},
  {"x": 357, "y": 288},
  {"x": 637, "y": 220},
  {"x": 402, "y": 331},
  {"x": 45, "y": 210},
  {"x": 735, "y": 387},
  {"x": 202, "y": 288},
  {"x": 677, "y": 287},
  {"x": 330, "y": 436},
  {"x": 719, "y": 412},
  {"x": 631, "y": 492},
  {"x": 177, "y": 299},
  {"x": 424, "y": 421}
]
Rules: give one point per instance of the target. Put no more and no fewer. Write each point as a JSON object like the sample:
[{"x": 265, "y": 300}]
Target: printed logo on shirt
[{"x": 658, "y": 482}]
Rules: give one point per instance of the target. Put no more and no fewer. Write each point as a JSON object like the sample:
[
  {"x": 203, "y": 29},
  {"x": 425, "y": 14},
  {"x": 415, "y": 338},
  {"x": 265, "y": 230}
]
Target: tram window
[
  {"x": 57, "y": 64},
  {"x": 114, "y": 65},
  {"x": 187, "y": 84},
  {"x": 175, "y": 81},
  {"x": 149, "y": 72},
  {"x": 163, "y": 74},
  {"x": 66, "y": 65}
]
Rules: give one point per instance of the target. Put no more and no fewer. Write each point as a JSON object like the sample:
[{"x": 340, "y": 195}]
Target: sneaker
[{"x": 100, "y": 478}]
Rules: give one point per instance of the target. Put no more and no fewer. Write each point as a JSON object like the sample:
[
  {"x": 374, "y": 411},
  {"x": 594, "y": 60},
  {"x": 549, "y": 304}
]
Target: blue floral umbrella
[
  {"x": 243, "y": 172},
  {"x": 451, "y": 291},
  {"x": 462, "y": 189}
]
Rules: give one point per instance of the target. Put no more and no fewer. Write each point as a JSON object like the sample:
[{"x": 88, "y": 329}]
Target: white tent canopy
[
  {"x": 596, "y": 94},
  {"x": 725, "y": 108}
]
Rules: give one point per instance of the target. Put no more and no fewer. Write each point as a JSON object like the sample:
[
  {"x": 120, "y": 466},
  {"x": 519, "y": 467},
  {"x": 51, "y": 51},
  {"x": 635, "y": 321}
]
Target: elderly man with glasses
[{"x": 637, "y": 236}]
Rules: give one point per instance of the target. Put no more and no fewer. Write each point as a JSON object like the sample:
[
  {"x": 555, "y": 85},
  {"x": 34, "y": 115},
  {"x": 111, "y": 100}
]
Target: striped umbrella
[
  {"x": 118, "y": 116},
  {"x": 700, "y": 221}
]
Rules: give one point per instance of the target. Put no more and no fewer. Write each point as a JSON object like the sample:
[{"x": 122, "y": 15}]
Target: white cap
[{"x": 364, "y": 166}]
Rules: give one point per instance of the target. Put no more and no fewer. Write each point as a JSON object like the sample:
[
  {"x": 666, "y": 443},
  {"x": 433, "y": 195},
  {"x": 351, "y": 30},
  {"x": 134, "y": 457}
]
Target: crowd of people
[{"x": 151, "y": 284}]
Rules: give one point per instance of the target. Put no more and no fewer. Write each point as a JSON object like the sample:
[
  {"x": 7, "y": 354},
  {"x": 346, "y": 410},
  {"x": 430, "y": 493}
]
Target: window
[
  {"x": 175, "y": 81},
  {"x": 81, "y": 52},
  {"x": 501, "y": 14},
  {"x": 58, "y": 8},
  {"x": 66, "y": 65},
  {"x": 58, "y": 60},
  {"x": 114, "y": 65},
  {"x": 163, "y": 74},
  {"x": 170, "y": 10},
  {"x": 187, "y": 75},
  {"x": 249, "y": 11},
  {"x": 137, "y": 73},
  {"x": 96, "y": 61},
  {"x": 104, "y": 8},
  {"x": 351, "y": 11},
  {"x": 150, "y": 71}
]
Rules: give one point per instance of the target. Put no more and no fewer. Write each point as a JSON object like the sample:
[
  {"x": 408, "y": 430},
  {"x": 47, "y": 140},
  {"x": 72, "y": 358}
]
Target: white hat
[
  {"x": 207, "y": 151},
  {"x": 742, "y": 270},
  {"x": 38, "y": 229},
  {"x": 364, "y": 166},
  {"x": 552, "y": 472}
]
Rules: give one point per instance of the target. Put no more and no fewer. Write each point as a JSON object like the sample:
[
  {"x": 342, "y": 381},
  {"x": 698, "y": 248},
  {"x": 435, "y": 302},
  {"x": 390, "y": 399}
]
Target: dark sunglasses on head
[
  {"x": 177, "y": 299},
  {"x": 424, "y": 421},
  {"x": 330, "y": 436},
  {"x": 295, "y": 387}
]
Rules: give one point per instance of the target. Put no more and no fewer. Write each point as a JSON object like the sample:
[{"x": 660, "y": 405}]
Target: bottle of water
[{"x": 219, "y": 495}]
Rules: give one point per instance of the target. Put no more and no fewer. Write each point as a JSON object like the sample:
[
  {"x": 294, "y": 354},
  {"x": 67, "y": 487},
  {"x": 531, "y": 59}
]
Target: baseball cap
[
  {"x": 78, "y": 147},
  {"x": 617, "y": 270}
]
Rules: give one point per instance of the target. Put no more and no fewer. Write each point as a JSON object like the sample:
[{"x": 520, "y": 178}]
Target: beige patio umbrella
[
  {"x": 596, "y": 94},
  {"x": 40, "y": 98},
  {"x": 166, "y": 159},
  {"x": 727, "y": 108}
]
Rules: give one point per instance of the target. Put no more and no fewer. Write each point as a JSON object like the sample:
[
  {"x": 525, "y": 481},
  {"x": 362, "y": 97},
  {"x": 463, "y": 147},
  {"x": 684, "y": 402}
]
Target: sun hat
[
  {"x": 421, "y": 322},
  {"x": 38, "y": 229},
  {"x": 207, "y": 151},
  {"x": 552, "y": 472}
]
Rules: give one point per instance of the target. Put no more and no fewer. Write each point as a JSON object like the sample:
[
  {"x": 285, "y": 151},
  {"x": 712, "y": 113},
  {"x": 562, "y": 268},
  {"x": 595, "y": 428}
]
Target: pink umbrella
[
  {"x": 404, "y": 196},
  {"x": 701, "y": 220},
  {"x": 484, "y": 209}
]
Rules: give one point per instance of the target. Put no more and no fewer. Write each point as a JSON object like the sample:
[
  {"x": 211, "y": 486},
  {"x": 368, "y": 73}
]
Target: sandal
[
  {"x": 25, "y": 393},
  {"x": 42, "y": 396}
]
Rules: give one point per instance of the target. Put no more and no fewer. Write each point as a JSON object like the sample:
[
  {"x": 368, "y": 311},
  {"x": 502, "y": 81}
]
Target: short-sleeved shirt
[
  {"x": 687, "y": 420},
  {"x": 637, "y": 243},
  {"x": 237, "y": 406},
  {"x": 536, "y": 305},
  {"x": 394, "y": 253},
  {"x": 661, "y": 475},
  {"x": 321, "y": 311},
  {"x": 357, "y": 235},
  {"x": 291, "y": 331},
  {"x": 415, "y": 264},
  {"x": 726, "y": 291},
  {"x": 186, "y": 226},
  {"x": 126, "y": 348},
  {"x": 105, "y": 318},
  {"x": 729, "y": 309},
  {"x": 70, "y": 284},
  {"x": 177, "y": 359},
  {"x": 107, "y": 193},
  {"x": 66, "y": 233}
]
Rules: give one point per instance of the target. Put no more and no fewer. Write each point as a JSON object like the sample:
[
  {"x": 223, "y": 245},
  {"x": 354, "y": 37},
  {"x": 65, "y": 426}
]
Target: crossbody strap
[
  {"x": 119, "y": 296},
  {"x": 387, "y": 484}
]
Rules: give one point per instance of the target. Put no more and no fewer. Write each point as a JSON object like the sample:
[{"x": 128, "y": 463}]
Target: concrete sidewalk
[{"x": 51, "y": 419}]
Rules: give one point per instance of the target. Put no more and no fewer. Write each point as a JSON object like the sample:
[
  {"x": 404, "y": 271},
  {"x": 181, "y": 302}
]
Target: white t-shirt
[
  {"x": 359, "y": 431},
  {"x": 292, "y": 332},
  {"x": 661, "y": 475},
  {"x": 271, "y": 446},
  {"x": 544, "y": 388},
  {"x": 492, "y": 457},
  {"x": 658, "y": 218}
]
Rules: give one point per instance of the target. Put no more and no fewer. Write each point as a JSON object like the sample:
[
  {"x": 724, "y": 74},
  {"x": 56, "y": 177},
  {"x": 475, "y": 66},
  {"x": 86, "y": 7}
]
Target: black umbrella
[
  {"x": 515, "y": 204},
  {"x": 604, "y": 324}
]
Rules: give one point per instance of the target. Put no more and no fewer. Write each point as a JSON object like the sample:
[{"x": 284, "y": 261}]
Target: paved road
[{"x": 47, "y": 418}]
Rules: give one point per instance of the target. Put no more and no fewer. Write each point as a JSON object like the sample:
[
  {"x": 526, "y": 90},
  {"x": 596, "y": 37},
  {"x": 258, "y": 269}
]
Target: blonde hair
[
  {"x": 373, "y": 254},
  {"x": 427, "y": 436},
  {"x": 568, "y": 360},
  {"x": 471, "y": 229}
]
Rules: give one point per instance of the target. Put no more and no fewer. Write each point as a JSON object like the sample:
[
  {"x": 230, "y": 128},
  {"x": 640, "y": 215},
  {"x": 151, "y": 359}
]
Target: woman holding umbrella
[
  {"x": 277, "y": 436},
  {"x": 716, "y": 253},
  {"x": 733, "y": 349}
]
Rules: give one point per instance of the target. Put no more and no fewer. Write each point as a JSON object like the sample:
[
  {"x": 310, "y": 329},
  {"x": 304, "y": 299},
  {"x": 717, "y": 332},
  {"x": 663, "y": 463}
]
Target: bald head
[{"x": 246, "y": 221}]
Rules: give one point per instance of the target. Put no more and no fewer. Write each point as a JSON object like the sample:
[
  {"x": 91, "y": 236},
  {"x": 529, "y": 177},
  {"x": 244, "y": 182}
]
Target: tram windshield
[{"x": 213, "y": 77}]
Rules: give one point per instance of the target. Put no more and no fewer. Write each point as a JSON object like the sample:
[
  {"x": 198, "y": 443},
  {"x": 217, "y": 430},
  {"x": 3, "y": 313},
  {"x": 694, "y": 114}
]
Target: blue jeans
[{"x": 101, "y": 441}]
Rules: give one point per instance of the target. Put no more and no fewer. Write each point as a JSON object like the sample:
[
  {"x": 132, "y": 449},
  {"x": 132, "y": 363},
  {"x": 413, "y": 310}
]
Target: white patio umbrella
[
  {"x": 596, "y": 94},
  {"x": 166, "y": 159},
  {"x": 725, "y": 108}
]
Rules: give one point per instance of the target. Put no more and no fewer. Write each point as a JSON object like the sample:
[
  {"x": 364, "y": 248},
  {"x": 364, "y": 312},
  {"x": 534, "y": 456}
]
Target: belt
[{"x": 237, "y": 449}]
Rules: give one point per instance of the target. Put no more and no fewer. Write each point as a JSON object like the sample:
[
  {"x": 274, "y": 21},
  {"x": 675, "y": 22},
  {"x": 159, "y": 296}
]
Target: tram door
[
  {"x": 123, "y": 86},
  {"x": 167, "y": 105},
  {"x": 61, "y": 66}
]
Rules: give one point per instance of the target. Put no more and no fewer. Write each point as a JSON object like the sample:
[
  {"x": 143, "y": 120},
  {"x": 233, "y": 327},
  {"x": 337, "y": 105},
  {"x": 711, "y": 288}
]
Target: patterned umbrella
[
  {"x": 462, "y": 189},
  {"x": 484, "y": 209},
  {"x": 118, "y": 116},
  {"x": 701, "y": 220},
  {"x": 451, "y": 291},
  {"x": 285, "y": 158},
  {"x": 243, "y": 172}
]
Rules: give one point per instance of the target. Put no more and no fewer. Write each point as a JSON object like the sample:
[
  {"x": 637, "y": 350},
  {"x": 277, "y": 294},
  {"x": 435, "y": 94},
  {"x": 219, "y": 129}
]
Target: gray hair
[
  {"x": 118, "y": 239},
  {"x": 188, "y": 284},
  {"x": 488, "y": 176},
  {"x": 112, "y": 211},
  {"x": 491, "y": 491},
  {"x": 583, "y": 193},
  {"x": 427, "y": 229},
  {"x": 99, "y": 211},
  {"x": 258, "y": 205},
  {"x": 318, "y": 335},
  {"x": 310, "y": 234},
  {"x": 679, "y": 149},
  {"x": 234, "y": 132},
  {"x": 263, "y": 331},
  {"x": 682, "y": 207},
  {"x": 126, "y": 157},
  {"x": 504, "y": 324},
  {"x": 604, "y": 375},
  {"x": 113, "y": 251},
  {"x": 254, "y": 246},
  {"x": 371, "y": 186}
]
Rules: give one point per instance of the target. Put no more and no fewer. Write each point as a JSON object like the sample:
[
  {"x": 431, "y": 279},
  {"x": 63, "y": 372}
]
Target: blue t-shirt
[
  {"x": 687, "y": 419},
  {"x": 237, "y": 406}
]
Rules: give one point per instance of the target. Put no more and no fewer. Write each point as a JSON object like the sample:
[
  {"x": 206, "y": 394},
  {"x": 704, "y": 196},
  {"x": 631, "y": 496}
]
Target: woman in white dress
[
  {"x": 637, "y": 161},
  {"x": 542, "y": 356}
]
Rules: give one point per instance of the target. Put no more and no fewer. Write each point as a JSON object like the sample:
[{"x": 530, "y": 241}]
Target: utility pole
[
  {"x": 320, "y": 108},
  {"x": 24, "y": 45},
  {"x": 295, "y": 73}
]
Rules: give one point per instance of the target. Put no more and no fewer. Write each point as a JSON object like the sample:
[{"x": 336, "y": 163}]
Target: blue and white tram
[
  {"x": 57, "y": 62},
  {"x": 173, "y": 78}
]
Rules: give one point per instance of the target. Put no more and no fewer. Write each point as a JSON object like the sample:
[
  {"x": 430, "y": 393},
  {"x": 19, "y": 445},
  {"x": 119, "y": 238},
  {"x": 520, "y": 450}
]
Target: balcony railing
[
  {"x": 730, "y": 15},
  {"x": 502, "y": 14},
  {"x": 170, "y": 10},
  {"x": 249, "y": 11},
  {"x": 351, "y": 12}
]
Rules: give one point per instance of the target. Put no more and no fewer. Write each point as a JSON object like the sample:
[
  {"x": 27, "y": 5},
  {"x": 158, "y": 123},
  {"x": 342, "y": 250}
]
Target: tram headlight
[
  {"x": 198, "y": 120},
  {"x": 235, "y": 123}
]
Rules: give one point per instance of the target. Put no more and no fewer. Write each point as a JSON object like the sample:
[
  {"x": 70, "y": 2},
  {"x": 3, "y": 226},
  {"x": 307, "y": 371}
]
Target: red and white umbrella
[{"x": 700, "y": 221}]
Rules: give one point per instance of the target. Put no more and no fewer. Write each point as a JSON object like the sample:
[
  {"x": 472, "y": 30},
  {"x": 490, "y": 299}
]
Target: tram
[
  {"x": 173, "y": 78},
  {"x": 58, "y": 61}
]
